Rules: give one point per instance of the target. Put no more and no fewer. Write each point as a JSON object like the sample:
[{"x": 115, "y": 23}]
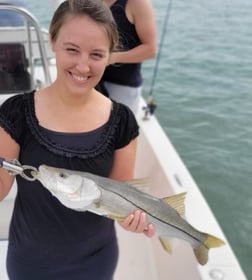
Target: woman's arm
[
  {"x": 123, "y": 169},
  {"x": 124, "y": 162},
  {"x": 141, "y": 14},
  {"x": 9, "y": 149}
]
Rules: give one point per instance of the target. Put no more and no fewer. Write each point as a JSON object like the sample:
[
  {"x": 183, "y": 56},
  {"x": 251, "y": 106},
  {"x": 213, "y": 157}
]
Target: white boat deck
[{"x": 142, "y": 257}]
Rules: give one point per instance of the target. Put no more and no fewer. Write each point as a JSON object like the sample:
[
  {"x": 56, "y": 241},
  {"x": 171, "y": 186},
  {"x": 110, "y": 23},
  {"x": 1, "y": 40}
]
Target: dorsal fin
[
  {"x": 176, "y": 201},
  {"x": 139, "y": 183}
]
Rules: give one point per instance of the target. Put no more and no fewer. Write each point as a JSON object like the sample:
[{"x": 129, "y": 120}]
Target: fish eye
[{"x": 62, "y": 175}]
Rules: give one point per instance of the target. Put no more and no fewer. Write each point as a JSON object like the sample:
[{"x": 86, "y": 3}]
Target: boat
[{"x": 140, "y": 257}]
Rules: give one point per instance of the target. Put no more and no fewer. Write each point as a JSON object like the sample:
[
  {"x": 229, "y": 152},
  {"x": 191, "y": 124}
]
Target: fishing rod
[{"x": 151, "y": 104}]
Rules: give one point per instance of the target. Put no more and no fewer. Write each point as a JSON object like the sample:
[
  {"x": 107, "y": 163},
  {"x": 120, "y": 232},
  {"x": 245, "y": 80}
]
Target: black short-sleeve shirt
[{"x": 42, "y": 230}]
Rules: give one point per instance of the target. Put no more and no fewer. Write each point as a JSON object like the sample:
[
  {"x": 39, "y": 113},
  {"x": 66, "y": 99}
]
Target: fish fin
[
  {"x": 139, "y": 183},
  {"x": 116, "y": 217},
  {"x": 166, "y": 243},
  {"x": 176, "y": 201},
  {"x": 201, "y": 252}
]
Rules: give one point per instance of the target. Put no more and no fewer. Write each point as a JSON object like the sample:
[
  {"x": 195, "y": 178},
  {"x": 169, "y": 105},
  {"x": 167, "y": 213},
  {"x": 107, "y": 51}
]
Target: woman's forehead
[
  {"x": 82, "y": 25},
  {"x": 80, "y": 29}
]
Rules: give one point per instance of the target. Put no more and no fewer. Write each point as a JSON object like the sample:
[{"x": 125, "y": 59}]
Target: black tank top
[{"x": 128, "y": 74}]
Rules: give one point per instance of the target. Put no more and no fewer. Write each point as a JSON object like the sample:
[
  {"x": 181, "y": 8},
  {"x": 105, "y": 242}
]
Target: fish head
[{"x": 70, "y": 187}]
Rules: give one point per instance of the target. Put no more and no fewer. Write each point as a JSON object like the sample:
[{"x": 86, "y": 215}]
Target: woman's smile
[{"x": 79, "y": 78}]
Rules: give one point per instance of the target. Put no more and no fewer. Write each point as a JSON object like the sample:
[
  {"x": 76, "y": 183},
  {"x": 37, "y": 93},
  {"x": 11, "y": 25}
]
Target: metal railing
[{"x": 31, "y": 26}]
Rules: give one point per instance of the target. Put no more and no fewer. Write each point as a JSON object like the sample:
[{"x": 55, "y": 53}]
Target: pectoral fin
[{"x": 116, "y": 217}]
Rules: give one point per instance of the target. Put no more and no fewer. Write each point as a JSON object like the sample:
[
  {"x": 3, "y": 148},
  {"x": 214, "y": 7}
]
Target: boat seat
[{"x": 14, "y": 74}]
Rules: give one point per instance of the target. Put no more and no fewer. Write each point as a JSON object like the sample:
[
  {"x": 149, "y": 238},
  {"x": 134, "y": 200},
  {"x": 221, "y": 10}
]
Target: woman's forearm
[{"x": 5, "y": 184}]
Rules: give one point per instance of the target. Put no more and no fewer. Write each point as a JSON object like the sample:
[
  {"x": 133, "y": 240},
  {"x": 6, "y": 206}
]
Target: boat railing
[{"x": 33, "y": 39}]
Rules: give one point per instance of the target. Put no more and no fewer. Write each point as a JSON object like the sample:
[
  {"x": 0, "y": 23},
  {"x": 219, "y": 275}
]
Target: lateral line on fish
[{"x": 157, "y": 218}]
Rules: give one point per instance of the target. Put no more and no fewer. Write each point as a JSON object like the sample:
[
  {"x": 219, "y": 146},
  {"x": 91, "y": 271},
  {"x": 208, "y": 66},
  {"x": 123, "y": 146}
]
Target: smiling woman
[
  {"x": 71, "y": 125},
  {"x": 80, "y": 63}
]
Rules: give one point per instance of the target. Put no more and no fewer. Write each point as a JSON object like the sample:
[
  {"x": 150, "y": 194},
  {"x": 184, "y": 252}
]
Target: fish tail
[{"x": 201, "y": 252}]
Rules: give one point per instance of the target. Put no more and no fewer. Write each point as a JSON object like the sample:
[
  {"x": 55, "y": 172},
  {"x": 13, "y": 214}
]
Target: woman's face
[{"x": 82, "y": 53}]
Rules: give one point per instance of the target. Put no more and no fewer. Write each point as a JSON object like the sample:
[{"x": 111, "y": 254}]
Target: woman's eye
[
  {"x": 71, "y": 50},
  {"x": 97, "y": 55}
]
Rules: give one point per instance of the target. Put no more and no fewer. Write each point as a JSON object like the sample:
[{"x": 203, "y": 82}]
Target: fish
[{"x": 115, "y": 199}]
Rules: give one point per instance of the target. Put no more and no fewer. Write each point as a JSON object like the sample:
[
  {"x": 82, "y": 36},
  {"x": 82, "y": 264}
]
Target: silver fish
[{"x": 115, "y": 199}]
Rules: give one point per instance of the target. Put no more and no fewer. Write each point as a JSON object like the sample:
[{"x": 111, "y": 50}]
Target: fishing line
[{"x": 150, "y": 101}]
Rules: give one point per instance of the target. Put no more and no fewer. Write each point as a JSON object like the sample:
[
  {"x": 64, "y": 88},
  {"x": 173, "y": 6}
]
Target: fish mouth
[
  {"x": 38, "y": 174},
  {"x": 35, "y": 174},
  {"x": 41, "y": 174}
]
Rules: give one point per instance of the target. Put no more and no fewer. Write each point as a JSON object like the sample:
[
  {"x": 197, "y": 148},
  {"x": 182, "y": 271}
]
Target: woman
[
  {"x": 122, "y": 79},
  {"x": 70, "y": 125}
]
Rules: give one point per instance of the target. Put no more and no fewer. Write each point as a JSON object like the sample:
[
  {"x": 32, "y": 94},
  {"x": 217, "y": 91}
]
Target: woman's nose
[{"x": 83, "y": 63}]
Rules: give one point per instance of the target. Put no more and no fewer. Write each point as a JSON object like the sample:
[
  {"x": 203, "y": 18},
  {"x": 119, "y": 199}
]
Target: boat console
[{"x": 14, "y": 74}]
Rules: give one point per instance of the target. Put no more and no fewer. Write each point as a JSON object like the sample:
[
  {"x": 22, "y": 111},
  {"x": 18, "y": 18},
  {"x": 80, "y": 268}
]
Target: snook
[{"x": 115, "y": 199}]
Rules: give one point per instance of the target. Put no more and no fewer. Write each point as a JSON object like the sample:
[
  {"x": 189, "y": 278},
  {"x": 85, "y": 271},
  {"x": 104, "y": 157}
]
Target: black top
[
  {"x": 127, "y": 74},
  {"x": 43, "y": 231}
]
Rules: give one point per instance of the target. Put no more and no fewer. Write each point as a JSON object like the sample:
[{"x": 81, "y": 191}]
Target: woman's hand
[{"x": 137, "y": 222}]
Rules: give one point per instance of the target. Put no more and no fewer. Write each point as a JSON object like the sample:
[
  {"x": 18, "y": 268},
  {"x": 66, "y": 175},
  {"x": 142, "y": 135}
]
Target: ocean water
[{"x": 203, "y": 89}]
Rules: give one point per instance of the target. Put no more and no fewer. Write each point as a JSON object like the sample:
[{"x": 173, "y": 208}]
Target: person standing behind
[
  {"x": 122, "y": 79},
  {"x": 68, "y": 124}
]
